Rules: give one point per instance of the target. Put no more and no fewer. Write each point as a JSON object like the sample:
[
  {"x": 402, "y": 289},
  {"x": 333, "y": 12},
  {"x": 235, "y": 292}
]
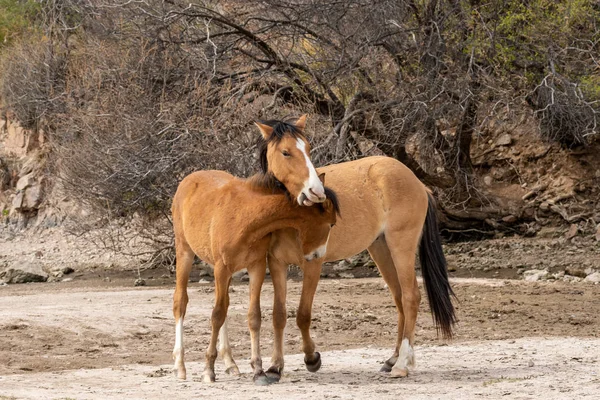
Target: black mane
[{"x": 331, "y": 195}]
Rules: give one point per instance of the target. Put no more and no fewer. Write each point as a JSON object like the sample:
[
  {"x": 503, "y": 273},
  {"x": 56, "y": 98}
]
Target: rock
[
  {"x": 594, "y": 278},
  {"x": 488, "y": 180},
  {"x": 504, "y": 140},
  {"x": 24, "y": 273},
  {"x": 139, "y": 282},
  {"x": 346, "y": 275},
  {"x": 25, "y": 181},
  {"x": 241, "y": 276},
  {"x": 33, "y": 197},
  {"x": 559, "y": 275},
  {"x": 572, "y": 232},
  {"x": 575, "y": 271},
  {"x": 343, "y": 265},
  {"x": 548, "y": 232},
  {"x": 67, "y": 270},
  {"x": 530, "y": 364},
  {"x": 535, "y": 275},
  {"x": 545, "y": 206},
  {"x": 17, "y": 202},
  {"x": 509, "y": 219},
  {"x": 203, "y": 273},
  {"x": 598, "y": 233}
]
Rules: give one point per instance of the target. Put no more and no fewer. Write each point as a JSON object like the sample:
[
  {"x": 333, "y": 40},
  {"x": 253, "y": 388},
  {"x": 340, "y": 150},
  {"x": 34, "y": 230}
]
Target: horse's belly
[
  {"x": 362, "y": 219},
  {"x": 367, "y": 189},
  {"x": 346, "y": 241}
]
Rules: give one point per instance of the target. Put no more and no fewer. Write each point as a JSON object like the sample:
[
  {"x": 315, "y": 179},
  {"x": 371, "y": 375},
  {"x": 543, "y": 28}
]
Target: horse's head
[
  {"x": 285, "y": 153},
  {"x": 323, "y": 217}
]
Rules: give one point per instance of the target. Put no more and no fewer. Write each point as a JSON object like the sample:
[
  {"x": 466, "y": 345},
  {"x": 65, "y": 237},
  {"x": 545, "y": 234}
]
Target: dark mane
[
  {"x": 268, "y": 182},
  {"x": 331, "y": 195},
  {"x": 280, "y": 129}
]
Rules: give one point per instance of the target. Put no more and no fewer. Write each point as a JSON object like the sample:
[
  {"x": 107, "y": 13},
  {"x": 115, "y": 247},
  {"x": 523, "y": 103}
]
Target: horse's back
[{"x": 194, "y": 206}]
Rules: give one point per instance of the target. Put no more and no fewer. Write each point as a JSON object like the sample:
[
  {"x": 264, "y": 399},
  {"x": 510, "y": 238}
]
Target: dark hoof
[
  {"x": 386, "y": 367},
  {"x": 315, "y": 365},
  {"x": 261, "y": 379},
  {"x": 273, "y": 374}
]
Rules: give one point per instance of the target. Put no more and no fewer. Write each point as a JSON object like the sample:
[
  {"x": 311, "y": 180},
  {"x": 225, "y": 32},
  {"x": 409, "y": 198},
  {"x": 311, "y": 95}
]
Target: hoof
[
  {"x": 315, "y": 365},
  {"x": 273, "y": 374},
  {"x": 399, "y": 372},
  {"x": 208, "y": 378},
  {"x": 233, "y": 370},
  {"x": 386, "y": 367},
  {"x": 261, "y": 379},
  {"x": 179, "y": 373}
]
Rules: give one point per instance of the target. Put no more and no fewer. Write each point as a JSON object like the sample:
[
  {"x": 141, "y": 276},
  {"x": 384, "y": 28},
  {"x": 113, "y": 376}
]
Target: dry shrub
[
  {"x": 127, "y": 138},
  {"x": 564, "y": 114},
  {"x": 32, "y": 80}
]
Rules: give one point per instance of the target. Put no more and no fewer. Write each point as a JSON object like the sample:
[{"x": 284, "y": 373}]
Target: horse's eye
[{"x": 286, "y": 153}]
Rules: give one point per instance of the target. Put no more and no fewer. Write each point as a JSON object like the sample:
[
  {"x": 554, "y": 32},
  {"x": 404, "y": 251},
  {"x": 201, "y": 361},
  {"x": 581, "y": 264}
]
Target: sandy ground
[{"x": 95, "y": 339}]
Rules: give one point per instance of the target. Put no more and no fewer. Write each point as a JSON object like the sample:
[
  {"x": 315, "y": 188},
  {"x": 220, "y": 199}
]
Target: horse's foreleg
[
  {"x": 219, "y": 314},
  {"x": 381, "y": 255},
  {"x": 225, "y": 351},
  {"x": 403, "y": 253},
  {"x": 257, "y": 277},
  {"x": 312, "y": 274},
  {"x": 185, "y": 258},
  {"x": 279, "y": 276}
]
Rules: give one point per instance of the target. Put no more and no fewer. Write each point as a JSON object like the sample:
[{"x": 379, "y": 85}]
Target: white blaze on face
[{"x": 313, "y": 182}]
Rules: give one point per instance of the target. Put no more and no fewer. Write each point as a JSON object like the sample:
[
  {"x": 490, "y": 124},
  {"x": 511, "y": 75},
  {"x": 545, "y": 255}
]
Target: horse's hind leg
[
  {"x": 219, "y": 314},
  {"x": 402, "y": 245},
  {"x": 225, "y": 351},
  {"x": 312, "y": 274},
  {"x": 381, "y": 255},
  {"x": 185, "y": 258},
  {"x": 279, "y": 276},
  {"x": 257, "y": 276}
]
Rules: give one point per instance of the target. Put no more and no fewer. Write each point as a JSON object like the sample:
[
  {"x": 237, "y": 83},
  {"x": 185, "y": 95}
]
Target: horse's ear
[
  {"x": 301, "y": 122},
  {"x": 265, "y": 130},
  {"x": 322, "y": 178}
]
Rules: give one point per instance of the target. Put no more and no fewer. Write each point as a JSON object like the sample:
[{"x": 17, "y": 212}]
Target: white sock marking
[
  {"x": 406, "y": 357},
  {"x": 178, "y": 350}
]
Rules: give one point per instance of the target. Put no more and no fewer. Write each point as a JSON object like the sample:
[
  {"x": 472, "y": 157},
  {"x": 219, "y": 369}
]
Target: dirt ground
[{"x": 98, "y": 338}]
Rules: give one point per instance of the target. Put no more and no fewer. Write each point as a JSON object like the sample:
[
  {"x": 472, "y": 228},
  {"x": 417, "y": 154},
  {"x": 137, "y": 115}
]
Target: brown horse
[
  {"x": 228, "y": 223},
  {"x": 388, "y": 211}
]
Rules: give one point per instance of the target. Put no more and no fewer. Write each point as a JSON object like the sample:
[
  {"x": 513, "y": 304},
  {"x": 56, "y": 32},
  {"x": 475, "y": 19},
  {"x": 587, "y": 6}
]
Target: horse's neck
[{"x": 274, "y": 212}]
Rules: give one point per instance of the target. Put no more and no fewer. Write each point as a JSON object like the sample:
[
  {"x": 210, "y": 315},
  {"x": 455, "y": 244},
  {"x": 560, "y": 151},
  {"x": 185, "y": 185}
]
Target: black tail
[{"x": 435, "y": 275}]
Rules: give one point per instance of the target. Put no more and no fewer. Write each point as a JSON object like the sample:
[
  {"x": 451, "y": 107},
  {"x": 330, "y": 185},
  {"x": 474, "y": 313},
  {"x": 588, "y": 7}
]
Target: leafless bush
[
  {"x": 124, "y": 142},
  {"x": 32, "y": 81},
  {"x": 564, "y": 114}
]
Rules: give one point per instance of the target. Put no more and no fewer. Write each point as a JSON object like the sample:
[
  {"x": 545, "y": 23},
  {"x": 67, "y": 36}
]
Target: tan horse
[
  {"x": 388, "y": 211},
  {"x": 228, "y": 223}
]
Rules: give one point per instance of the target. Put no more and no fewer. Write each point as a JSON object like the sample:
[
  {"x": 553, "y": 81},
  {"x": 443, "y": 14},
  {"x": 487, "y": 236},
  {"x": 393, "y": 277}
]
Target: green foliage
[
  {"x": 590, "y": 86},
  {"x": 526, "y": 36},
  {"x": 17, "y": 18}
]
